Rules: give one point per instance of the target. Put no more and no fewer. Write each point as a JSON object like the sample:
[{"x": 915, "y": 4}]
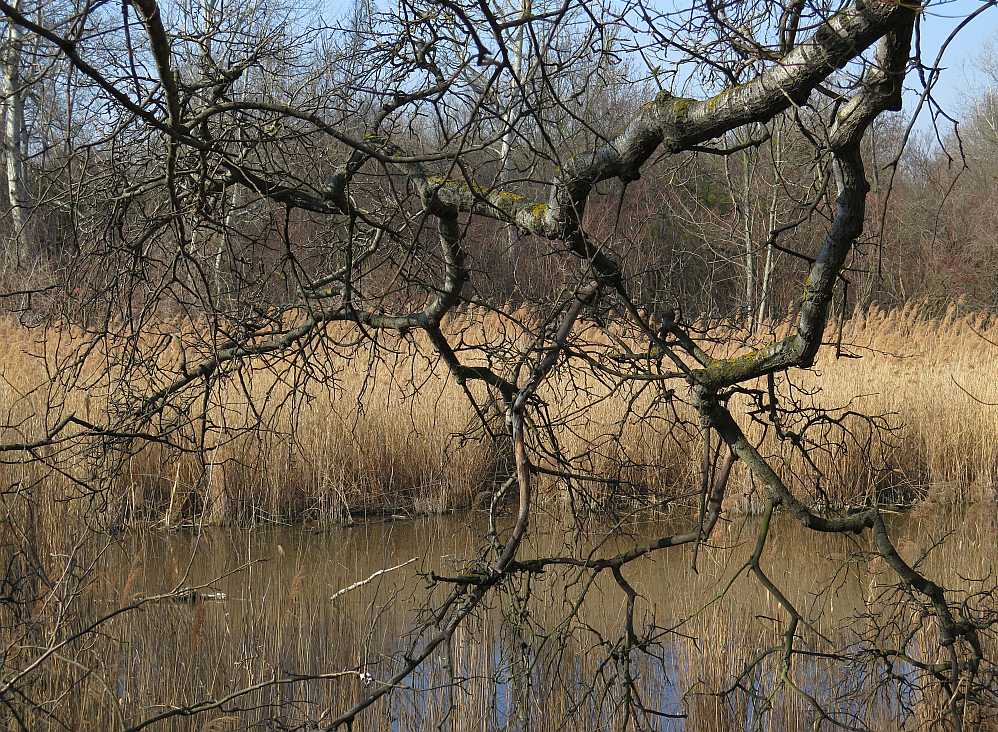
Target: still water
[{"x": 545, "y": 653}]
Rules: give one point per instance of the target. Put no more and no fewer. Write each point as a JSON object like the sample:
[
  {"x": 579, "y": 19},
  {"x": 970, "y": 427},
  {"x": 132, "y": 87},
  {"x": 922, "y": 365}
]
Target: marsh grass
[
  {"x": 373, "y": 437},
  {"x": 394, "y": 449}
]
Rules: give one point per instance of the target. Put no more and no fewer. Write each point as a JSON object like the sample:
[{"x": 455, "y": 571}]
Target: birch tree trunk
[
  {"x": 774, "y": 217},
  {"x": 509, "y": 118},
  {"x": 768, "y": 266},
  {"x": 747, "y": 174},
  {"x": 15, "y": 143},
  {"x": 740, "y": 192}
]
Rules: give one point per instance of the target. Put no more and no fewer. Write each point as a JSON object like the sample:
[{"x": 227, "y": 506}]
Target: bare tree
[{"x": 362, "y": 165}]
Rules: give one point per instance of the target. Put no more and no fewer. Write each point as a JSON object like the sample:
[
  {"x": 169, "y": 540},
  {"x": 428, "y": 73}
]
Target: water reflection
[{"x": 548, "y": 662}]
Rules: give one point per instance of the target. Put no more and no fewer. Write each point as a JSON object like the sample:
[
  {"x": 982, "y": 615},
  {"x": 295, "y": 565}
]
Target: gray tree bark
[{"x": 14, "y": 142}]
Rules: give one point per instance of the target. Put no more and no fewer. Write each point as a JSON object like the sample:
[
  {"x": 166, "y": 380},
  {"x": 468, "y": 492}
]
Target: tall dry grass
[
  {"x": 391, "y": 438},
  {"x": 926, "y": 381}
]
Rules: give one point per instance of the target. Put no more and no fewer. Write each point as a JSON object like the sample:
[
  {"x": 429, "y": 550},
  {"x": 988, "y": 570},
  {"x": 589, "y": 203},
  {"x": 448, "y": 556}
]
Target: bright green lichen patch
[
  {"x": 532, "y": 217},
  {"x": 681, "y": 107},
  {"x": 507, "y": 200},
  {"x": 538, "y": 211},
  {"x": 726, "y": 371},
  {"x": 720, "y": 98},
  {"x": 731, "y": 368}
]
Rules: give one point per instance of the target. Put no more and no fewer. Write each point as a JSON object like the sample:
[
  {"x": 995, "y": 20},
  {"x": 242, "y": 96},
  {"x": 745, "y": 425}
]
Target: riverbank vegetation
[
  {"x": 391, "y": 440},
  {"x": 612, "y": 275}
]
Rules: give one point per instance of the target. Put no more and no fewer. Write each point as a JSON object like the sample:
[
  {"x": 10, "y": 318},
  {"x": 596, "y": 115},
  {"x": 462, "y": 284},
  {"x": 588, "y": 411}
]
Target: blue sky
[
  {"x": 959, "y": 83},
  {"x": 960, "y": 80}
]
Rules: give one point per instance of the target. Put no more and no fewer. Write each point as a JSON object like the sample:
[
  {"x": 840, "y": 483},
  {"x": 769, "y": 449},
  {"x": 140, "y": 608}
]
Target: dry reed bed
[
  {"x": 388, "y": 439},
  {"x": 927, "y": 380}
]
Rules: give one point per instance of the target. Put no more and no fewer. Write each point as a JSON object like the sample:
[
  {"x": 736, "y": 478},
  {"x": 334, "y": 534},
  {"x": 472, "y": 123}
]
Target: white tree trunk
[
  {"x": 774, "y": 220},
  {"x": 512, "y": 106},
  {"x": 748, "y": 218},
  {"x": 15, "y": 144},
  {"x": 768, "y": 267}
]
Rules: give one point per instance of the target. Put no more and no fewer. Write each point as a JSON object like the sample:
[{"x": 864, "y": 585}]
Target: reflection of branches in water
[{"x": 896, "y": 639}]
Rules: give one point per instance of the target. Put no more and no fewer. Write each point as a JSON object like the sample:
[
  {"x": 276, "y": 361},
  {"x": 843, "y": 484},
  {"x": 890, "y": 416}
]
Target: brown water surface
[{"x": 549, "y": 662}]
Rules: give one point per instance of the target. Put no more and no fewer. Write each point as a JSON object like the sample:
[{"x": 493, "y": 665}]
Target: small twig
[{"x": 363, "y": 582}]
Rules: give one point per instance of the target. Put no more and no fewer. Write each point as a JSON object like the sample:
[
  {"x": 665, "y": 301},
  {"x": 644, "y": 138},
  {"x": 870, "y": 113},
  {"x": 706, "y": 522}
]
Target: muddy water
[{"x": 545, "y": 653}]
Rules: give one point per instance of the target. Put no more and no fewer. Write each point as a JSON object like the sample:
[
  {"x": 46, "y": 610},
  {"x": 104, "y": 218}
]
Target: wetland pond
[{"x": 550, "y": 663}]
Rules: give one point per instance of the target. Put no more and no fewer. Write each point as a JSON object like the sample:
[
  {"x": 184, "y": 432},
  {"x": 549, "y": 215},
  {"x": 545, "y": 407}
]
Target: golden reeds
[{"x": 391, "y": 439}]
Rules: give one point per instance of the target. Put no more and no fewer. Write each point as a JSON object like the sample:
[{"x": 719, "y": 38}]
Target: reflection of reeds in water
[{"x": 547, "y": 660}]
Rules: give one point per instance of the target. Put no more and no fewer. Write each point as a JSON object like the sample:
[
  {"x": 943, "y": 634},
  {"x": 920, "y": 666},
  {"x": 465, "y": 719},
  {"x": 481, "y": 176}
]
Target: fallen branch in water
[
  {"x": 190, "y": 596},
  {"x": 361, "y": 583}
]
